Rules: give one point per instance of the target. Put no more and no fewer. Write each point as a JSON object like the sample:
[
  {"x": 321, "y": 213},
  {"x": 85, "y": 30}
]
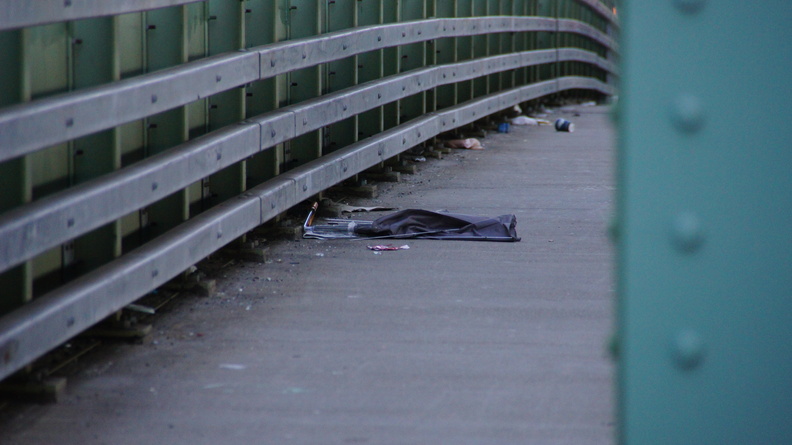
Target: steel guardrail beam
[
  {"x": 584, "y": 29},
  {"x": 36, "y": 227},
  {"x": 19, "y": 13},
  {"x": 600, "y": 8},
  {"x": 36, "y": 327},
  {"x": 580, "y": 55},
  {"x": 28, "y": 127}
]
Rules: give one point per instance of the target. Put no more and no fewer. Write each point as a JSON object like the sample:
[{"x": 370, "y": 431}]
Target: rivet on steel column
[
  {"x": 688, "y": 349},
  {"x": 687, "y": 234}
]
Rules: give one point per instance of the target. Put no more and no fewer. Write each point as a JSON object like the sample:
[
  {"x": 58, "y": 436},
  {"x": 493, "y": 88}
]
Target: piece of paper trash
[
  {"x": 354, "y": 209},
  {"x": 469, "y": 143},
  {"x": 525, "y": 120},
  {"x": 234, "y": 366},
  {"x": 380, "y": 248}
]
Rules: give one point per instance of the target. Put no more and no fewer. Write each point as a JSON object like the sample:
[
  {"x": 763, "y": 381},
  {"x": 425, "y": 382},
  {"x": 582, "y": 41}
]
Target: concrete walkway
[{"x": 445, "y": 343}]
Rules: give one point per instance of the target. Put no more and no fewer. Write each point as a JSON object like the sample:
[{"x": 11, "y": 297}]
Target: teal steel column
[{"x": 704, "y": 217}]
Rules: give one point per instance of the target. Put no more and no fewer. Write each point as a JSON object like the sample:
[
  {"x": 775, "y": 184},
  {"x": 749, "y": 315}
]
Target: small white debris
[{"x": 234, "y": 366}]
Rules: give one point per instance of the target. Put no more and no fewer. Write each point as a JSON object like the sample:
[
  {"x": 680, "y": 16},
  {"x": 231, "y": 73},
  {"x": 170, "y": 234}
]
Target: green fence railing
[{"x": 138, "y": 137}]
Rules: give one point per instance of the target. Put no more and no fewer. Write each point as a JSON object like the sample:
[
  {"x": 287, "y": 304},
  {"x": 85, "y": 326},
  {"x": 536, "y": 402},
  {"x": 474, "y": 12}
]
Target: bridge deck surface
[{"x": 447, "y": 342}]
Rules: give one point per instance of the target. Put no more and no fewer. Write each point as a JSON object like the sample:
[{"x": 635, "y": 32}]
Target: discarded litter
[
  {"x": 525, "y": 120},
  {"x": 343, "y": 208},
  {"x": 233, "y": 366},
  {"x": 381, "y": 247},
  {"x": 503, "y": 127},
  {"x": 564, "y": 125},
  {"x": 415, "y": 223},
  {"x": 141, "y": 308},
  {"x": 353, "y": 209},
  {"x": 469, "y": 143}
]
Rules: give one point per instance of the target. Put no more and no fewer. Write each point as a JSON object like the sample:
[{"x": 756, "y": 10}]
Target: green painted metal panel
[
  {"x": 14, "y": 175},
  {"x": 306, "y": 18},
  {"x": 166, "y": 46},
  {"x": 494, "y": 46},
  {"x": 94, "y": 62},
  {"x": 130, "y": 30},
  {"x": 340, "y": 74},
  {"x": 412, "y": 57},
  {"x": 390, "y": 62},
  {"x": 545, "y": 40},
  {"x": 261, "y": 17},
  {"x": 262, "y": 22},
  {"x": 508, "y": 43},
  {"x": 480, "y": 48},
  {"x": 521, "y": 41},
  {"x": 704, "y": 217},
  {"x": 464, "y": 50},
  {"x": 226, "y": 32},
  {"x": 446, "y": 52},
  {"x": 370, "y": 66},
  {"x": 196, "y": 26},
  {"x": 46, "y": 60},
  {"x": 10, "y": 78},
  {"x": 196, "y": 29}
]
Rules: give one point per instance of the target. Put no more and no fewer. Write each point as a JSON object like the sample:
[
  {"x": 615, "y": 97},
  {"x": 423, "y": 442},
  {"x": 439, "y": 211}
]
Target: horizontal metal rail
[
  {"x": 584, "y": 29},
  {"x": 28, "y": 127},
  {"x": 32, "y": 229},
  {"x": 37, "y": 327},
  {"x": 18, "y": 14},
  {"x": 602, "y": 10}
]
